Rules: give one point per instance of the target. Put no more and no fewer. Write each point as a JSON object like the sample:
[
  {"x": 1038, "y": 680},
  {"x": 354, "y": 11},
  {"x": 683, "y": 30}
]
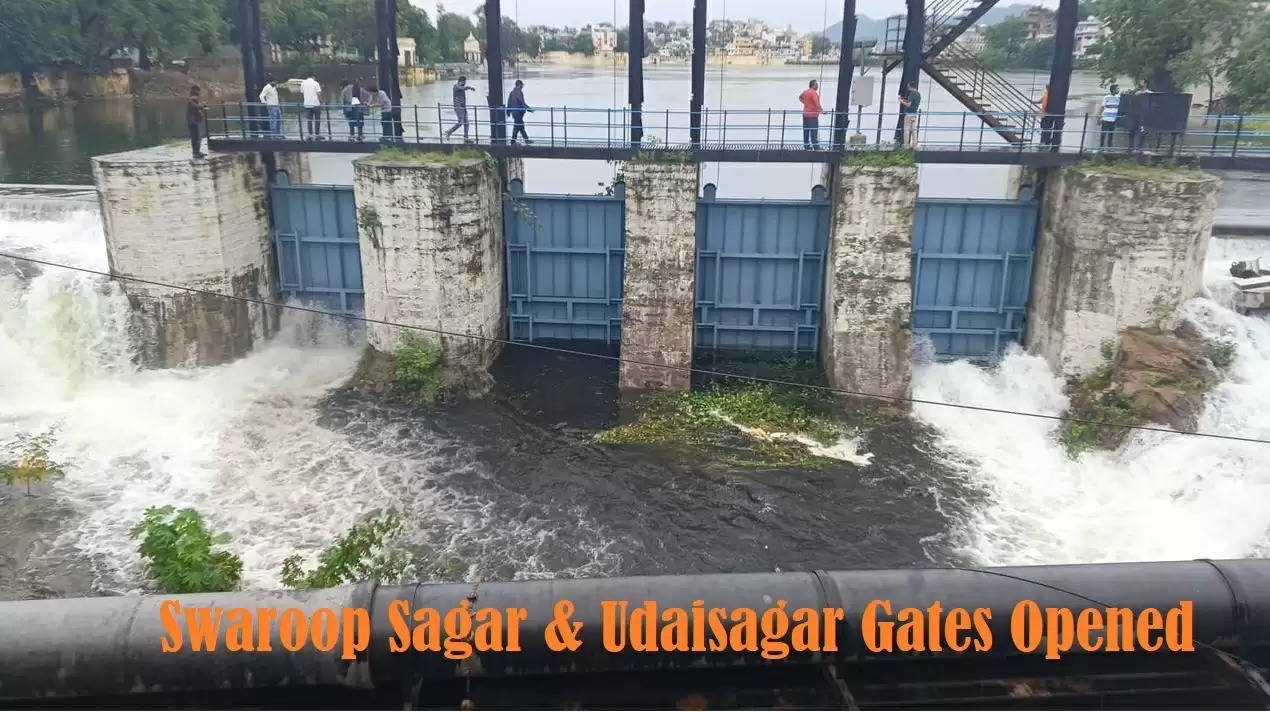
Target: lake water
[{"x": 54, "y": 145}]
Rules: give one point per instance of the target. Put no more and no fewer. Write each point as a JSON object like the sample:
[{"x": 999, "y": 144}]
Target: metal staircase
[{"x": 1002, "y": 107}]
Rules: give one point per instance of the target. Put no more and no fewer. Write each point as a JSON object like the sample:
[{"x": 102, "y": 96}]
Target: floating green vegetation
[
  {"x": 761, "y": 424},
  {"x": 880, "y": 159}
]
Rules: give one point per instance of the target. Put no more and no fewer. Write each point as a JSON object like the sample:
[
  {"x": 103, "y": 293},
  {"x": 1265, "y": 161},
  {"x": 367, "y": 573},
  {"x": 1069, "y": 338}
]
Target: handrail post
[
  {"x": 1239, "y": 130},
  {"x": 1084, "y": 129},
  {"x": 961, "y": 140},
  {"x": 241, "y": 121},
  {"x": 1216, "y": 135},
  {"x": 566, "y": 125},
  {"x": 440, "y": 125},
  {"x": 767, "y": 140},
  {"x": 552, "y": 118},
  {"x": 783, "y": 117}
]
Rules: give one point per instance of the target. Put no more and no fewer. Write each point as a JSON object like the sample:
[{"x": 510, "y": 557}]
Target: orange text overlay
[{"x": 773, "y": 633}]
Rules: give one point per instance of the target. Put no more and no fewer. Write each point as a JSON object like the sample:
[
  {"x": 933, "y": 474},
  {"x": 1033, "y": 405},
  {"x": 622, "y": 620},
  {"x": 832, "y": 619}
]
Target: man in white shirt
[
  {"x": 312, "y": 93},
  {"x": 269, "y": 97},
  {"x": 1110, "y": 115}
]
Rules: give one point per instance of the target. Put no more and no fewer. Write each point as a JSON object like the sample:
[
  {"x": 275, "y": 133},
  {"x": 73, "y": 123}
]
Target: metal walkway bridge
[{"x": 732, "y": 135}]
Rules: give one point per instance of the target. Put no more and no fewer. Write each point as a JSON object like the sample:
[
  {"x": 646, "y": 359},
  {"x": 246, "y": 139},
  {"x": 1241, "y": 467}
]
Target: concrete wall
[
  {"x": 1115, "y": 252},
  {"x": 661, "y": 256},
  {"x": 866, "y": 341},
  {"x": 439, "y": 258},
  {"x": 201, "y": 224}
]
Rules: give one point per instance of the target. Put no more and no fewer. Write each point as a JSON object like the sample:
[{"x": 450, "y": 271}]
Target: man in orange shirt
[{"x": 811, "y": 115}]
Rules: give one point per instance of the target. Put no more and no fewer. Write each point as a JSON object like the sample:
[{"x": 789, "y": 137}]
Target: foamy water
[
  {"x": 240, "y": 442},
  {"x": 1162, "y": 496}
]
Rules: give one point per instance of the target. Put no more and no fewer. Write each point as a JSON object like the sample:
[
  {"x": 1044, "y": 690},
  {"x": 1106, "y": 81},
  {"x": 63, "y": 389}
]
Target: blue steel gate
[
  {"x": 760, "y": 268},
  {"x": 972, "y": 274},
  {"x": 315, "y": 239},
  {"x": 565, "y": 255}
]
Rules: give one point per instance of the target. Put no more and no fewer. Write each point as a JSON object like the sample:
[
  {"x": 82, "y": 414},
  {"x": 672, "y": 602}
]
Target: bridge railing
[{"x": 729, "y": 129}]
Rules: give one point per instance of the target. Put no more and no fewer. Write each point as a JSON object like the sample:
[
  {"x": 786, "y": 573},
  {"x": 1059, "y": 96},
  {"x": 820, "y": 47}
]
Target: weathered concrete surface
[
  {"x": 201, "y": 224},
  {"x": 661, "y": 257},
  {"x": 438, "y": 258},
  {"x": 1115, "y": 252},
  {"x": 866, "y": 339},
  {"x": 296, "y": 165}
]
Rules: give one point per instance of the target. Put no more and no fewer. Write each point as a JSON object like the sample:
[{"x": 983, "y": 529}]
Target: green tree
[
  {"x": 1249, "y": 72},
  {"x": 163, "y": 26},
  {"x": 452, "y": 29},
  {"x": 820, "y": 45},
  {"x": 182, "y": 555},
  {"x": 34, "y": 465},
  {"x": 365, "y": 552},
  {"x": 583, "y": 44},
  {"x": 1174, "y": 44},
  {"x": 296, "y": 25},
  {"x": 35, "y": 33},
  {"x": 414, "y": 22}
]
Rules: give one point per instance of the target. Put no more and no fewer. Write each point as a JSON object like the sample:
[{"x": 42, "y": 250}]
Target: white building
[
  {"x": 605, "y": 38},
  {"x": 471, "y": 49},
  {"x": 1089, "y": 32}
]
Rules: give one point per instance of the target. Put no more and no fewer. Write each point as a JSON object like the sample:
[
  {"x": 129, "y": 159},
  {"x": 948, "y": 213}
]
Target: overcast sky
[{"x": 804, "y": 15}]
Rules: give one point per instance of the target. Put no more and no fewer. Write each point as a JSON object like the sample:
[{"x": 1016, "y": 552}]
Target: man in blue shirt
[{"x": 517, "y": 107}]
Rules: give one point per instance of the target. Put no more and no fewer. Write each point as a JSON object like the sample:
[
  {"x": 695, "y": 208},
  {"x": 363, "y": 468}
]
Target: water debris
[{"x": 846, "y": 449}]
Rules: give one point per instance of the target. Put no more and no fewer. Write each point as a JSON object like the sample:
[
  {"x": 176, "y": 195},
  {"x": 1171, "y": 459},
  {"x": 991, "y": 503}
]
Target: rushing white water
[
  {"x": 240, "y": 442},
  {"x": 1162, "y": 496}
]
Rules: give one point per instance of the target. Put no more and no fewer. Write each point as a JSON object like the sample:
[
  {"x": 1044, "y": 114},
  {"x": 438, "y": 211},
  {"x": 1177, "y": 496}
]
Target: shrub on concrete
[{"x": 419, "y": 367}]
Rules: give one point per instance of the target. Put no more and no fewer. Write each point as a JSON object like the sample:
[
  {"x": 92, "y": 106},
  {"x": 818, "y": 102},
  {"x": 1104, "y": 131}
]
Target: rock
[{"x": 1165, "y": 375}]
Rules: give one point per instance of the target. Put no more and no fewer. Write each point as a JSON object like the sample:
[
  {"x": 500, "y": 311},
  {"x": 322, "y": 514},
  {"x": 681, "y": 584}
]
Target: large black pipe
[
  {"x": 253, "y": 60},
  {"x": 914, "y": 42},
  {"x": 635, "y": 70},
  {"x": 846, "y": 68},
  {"x": 111, "y": 646},
  {"x": 698, "y": 70},
  {"x": 1060, "y": 72},
  {"x": 494, "y": 65}
]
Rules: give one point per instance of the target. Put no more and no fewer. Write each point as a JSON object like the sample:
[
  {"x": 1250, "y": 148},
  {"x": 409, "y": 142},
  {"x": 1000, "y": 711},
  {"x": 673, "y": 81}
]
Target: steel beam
[
  {"x": 635, "y": 70},
  {"x": 1060, "y": 72},
  {"x": 914, "y": 41},
  {"x": 846, "y": 68},
  {"x": 698, "y": 70},
  {"x": 494, "y": 66}
]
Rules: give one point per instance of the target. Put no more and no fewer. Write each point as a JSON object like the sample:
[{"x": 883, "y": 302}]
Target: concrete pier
[
  {"x": 202, "y": 224},
  {"x": 661, "y": 257},
  {"x": 866, "y": 340},
  {"x": 432, "y": 253},
  {"x": 1115, "y": 251}
]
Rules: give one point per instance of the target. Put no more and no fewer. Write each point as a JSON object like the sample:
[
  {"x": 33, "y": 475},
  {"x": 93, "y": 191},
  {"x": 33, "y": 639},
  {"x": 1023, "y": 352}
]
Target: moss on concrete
[
  {"x": 1149, "y": 170},
  {"x": 457, "y": 157},
  {"x": 880, "y": 159}
]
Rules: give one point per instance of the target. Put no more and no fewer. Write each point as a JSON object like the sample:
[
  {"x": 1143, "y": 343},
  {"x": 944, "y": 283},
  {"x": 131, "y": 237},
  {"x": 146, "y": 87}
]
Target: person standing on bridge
[
  {"x": 269, "y": 97},
  {"x": 460, "y": 107},
  {"x": 1110, "y": 115},
  {"x": 311, "y": 92},
  {"x": 387, "y": 127},
  {"x": 910, "y": 104},
  {"x": 517, "y": 107},
  {"x": 195, "y": 114},
  {"x": 811, "y": 115}
]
